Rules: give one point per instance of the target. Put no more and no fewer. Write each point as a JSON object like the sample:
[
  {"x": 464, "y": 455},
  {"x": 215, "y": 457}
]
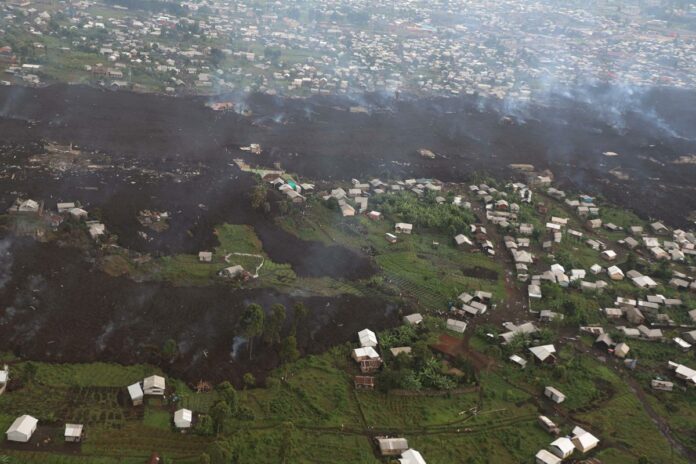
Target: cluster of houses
[
  {"x": 156, "y": 386},
  {"x": 468, "y": 306},
  {"x": 350, "y": 56},
  {"x": 369, "y": 362},
  {"x": 563, "y": 447},
  {"x": 29, "y": 207},
  {"x": 292, "y": 190},
  {"x": 355, "y": 200},
  {"x": 657, "y": 245},
  {"x": 644, "y": 318},
  {"x": 25, "y": 426},
  {"x": 368, "y": 358}
]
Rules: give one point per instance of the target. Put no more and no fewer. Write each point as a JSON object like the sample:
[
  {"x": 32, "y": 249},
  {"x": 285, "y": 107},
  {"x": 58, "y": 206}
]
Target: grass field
[
  {"x": 429, "y": 275},
  {"x": 310, "y": 413}
]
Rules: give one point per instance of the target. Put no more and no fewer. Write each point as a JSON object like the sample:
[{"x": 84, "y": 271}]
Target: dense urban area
[
  {"x": 507, "y": 49},
  {"x": 332, "y": 231}
]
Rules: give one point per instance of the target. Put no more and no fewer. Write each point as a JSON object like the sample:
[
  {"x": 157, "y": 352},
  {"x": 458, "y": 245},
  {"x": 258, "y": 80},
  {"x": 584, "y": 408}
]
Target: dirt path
[
  {"x": 516, "y": 303},
  {"x": 635, "y": 388}
]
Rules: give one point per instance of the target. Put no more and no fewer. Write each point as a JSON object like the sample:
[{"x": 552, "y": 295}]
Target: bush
[{"x": 425, "y": 212}]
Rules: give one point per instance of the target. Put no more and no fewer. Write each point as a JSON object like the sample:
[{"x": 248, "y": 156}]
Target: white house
[
  {"x": 555, "y": 395},
  {"x": 183, "y": 418},
  {"x": 78, "y": 213},
  {"x": 562, "y": 447},
  {"x": 413, "y": 319},
  {"x": 583, "y": 440},
  {"x": 456, "y": 326},
  {"x": 682, "y": 344},
  {"x": 22, "y": 429},
  {"x": 65, "y": 207},
  {"x": 615, "y": 273},
  {"x": 518, "y": 360},
  {"x": 392, "y": 446},
  {"x": 545, "y": 457},
  {"x": 544, "y": 353},
  {"x": 411, "y": 456},
  {"x": 367, "y": 338},
  {"x": 73, "y": 432},
  {"x": 4, "y": 378},
  {"x": 347, "y": 210},
  {"x": 232, "y": 272},
  {"x": 364, "y": 354},
  {"x": 534, "y": 291},
  {"x": 621, "y": 350},
  {"x": 135, "y": 392},
  {"x": 205, "y": 256},
  {"x": 403, "y": 228},
  {"x": 462, "y": 239},
  {"x": 154, "y": 385}
]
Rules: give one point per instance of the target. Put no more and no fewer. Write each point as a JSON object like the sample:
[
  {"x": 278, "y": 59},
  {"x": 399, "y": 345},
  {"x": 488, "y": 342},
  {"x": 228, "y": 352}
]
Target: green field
[{"x": 310, "y": 412}]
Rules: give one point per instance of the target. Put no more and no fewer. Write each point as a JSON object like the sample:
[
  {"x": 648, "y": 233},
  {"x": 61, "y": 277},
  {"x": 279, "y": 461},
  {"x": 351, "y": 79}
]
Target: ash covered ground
[{"x": 175, "y": 154}]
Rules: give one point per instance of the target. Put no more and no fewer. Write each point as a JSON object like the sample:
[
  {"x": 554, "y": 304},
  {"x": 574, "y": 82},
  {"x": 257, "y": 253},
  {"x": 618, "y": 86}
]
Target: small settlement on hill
[{"x": 545, "y": 306}]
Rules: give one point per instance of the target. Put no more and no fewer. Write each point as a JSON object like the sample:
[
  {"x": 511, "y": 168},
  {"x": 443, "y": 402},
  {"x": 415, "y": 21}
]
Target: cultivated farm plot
[
  {"x": 98, "y": 406},
  {"x": 409, "y": 412},
  {"x": 136, "y": 439},
  {"x": 91, "y": 375},
  {"x": 334, "y": 447},
  {"x": 507, "y": 444},
  {"x": 199, "y": 402},
  {"x": 85, "y": 405},
  {"x": 432, "y": 285},
  {"x": 329, "y": 391}
]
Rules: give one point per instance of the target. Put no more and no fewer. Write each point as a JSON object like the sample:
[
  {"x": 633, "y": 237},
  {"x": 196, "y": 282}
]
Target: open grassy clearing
[
  {"x": 431, "y": 275},
  {"x": 623, "y": 423},
  {"x": 240, "y": 245},
  {"x": 679, "y": 409}
]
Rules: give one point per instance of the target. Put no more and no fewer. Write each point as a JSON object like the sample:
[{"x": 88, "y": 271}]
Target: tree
[
  {"x": 288, "y": 350},
  {"x": 216, "y": 56},
  {"x": 299, "y": 314},
  {"x": 284, "y": 207},
  {"x": 220, "y": 412},
  {"x": 204, "y": 458},
  {"x": 30, "y": 370},
  {"x": 252, "y": 324},
  {"x": 228, "y": 395},
  {"x": 630, "y": 261},
  {"x": 205, "y": 425},
  {"x": 332, "y": 203},
  {"x": 274, "y": 324},
  {"x": 258, "y": 195},
  {"x": 169, "y": 349},
  {"x": 249, "y": 380}
]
